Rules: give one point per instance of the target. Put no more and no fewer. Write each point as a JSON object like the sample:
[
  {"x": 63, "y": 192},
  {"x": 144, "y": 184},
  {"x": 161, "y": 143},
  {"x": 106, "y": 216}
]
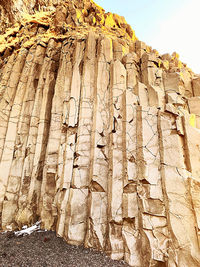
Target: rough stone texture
[
  {"x": 99, "y": 139},
  {"x": 196, "y": 86}
]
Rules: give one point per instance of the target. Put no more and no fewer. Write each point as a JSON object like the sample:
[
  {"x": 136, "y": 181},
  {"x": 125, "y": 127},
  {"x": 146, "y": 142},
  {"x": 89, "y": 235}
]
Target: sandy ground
[{"x": 44, "y": 249}]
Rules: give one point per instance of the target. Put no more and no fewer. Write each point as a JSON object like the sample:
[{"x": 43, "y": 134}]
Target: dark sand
[{"x": 44, "y": 249}]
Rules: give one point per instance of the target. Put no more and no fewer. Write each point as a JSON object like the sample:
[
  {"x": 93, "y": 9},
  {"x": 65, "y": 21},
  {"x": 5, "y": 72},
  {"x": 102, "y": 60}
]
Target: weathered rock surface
[{"x": 99, "y": 135}]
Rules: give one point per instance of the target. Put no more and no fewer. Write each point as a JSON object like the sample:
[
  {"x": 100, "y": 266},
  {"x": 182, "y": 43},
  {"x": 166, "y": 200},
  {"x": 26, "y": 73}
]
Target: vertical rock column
[
  {"x": 153, "y": 222},
  {"x": 9, "y": 94},
  {"x": 39, "y": 131},
  {"x": 5, "y": 73},
  {"x": 191, "y": 136},
  {"x": 71, "y": 109},
  {"x": 50, "y": 176},
  {"x": 10, "y": 172},
  {"x": 181, "y": 220},
  {"x": 116, "y": 160},
  {"x": 152, "y": 77},
  {"x": 23, "y": 150},
  {"x": 130, "y": 229},
  {"x": 6, "y": 104},
  {"x": 97, "y": 221},
  {"x": 78, "y": 210}
]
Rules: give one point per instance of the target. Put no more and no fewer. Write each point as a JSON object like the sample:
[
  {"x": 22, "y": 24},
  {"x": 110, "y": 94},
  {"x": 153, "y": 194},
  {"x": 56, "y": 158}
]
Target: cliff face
[{"x": 99, "y": 135}]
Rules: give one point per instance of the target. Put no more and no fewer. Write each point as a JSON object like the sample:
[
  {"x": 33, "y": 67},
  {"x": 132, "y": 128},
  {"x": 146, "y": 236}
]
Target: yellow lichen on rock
[
  {"x": 98, "y": 6},
  {"x": 165, "y": 64},
  {"x": 79, "y": 16},
  {"x": 192, "y": 120},
  {"x": 109, "y": 20},
  {"x": 120, "y": 20},
  {"x": 175, "y": 55}
]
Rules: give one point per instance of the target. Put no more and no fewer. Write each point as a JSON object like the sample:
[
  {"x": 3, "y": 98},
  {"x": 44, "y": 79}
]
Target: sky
[{"x": 166, "y": 25}]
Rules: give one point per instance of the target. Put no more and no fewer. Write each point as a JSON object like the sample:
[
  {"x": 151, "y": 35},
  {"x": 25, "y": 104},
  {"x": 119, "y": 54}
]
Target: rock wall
[{"x": 99, "y": 139}]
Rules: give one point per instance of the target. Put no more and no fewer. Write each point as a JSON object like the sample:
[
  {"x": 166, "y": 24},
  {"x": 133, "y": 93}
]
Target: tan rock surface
[{"x": 99, "y": 134}]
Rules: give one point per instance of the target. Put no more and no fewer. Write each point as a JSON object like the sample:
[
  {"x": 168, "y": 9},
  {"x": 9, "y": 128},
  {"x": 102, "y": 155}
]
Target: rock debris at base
[{"x": 45, "y": 249}]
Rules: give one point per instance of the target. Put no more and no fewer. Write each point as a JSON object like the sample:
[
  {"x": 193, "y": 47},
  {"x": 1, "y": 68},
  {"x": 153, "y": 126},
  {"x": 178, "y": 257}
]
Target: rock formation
[{"x": 99, "y": 134}]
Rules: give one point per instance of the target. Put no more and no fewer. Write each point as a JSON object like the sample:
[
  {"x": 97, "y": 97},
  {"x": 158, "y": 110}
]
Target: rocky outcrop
[{"x": 99, "y": 138}]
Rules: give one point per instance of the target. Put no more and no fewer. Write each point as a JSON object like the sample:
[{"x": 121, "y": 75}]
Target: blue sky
[{"x": 166, "y": 25}]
